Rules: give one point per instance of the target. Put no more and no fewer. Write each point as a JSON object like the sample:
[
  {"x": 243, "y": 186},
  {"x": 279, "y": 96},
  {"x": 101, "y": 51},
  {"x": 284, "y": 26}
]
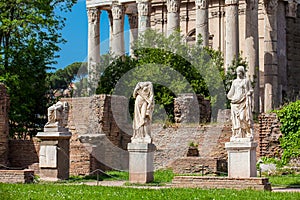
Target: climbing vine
[{"x": 289, "y": 117}]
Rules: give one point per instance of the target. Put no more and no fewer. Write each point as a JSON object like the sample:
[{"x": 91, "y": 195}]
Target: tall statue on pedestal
[
  {"x": 143, "y": 109},
  {"x": 240, "y": 95}
]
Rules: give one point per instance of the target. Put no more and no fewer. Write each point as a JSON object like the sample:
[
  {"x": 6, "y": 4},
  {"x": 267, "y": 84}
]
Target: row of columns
[{"x": 140, "y": 21}]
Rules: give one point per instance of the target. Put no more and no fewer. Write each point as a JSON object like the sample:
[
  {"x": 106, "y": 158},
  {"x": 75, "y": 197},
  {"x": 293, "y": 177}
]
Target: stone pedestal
[
  {"x": 141, "y": 162},
  {"x": 54, "y": 154},
  {"x": 241, "y": 159}
]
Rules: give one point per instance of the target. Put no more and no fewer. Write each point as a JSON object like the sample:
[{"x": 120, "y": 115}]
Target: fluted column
[
  {"x": 93, "y": 48},
  {"x": 231, "y": 32},
  {"x": 202, "y": 21},
  {"x": 144, "y": 7},
  {"x": 117, "y": 45},
  {"x": 252, "y": 50},
  {"x": 173, "y": 7},
  {"x": 270, "y": 56},
  {"x": 133, "y": 23}
]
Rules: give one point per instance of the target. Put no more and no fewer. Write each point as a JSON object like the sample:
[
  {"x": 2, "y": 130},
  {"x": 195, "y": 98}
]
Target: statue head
[{"x": 240, "y": 71}]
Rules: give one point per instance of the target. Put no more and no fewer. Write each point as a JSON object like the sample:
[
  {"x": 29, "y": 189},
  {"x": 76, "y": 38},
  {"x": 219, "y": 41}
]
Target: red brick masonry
[{"x": 16, "y": 176}]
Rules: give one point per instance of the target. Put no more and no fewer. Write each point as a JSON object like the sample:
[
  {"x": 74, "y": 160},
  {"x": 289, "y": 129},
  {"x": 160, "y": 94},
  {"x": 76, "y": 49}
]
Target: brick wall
[
  {"x": 4, "y": 130},
  {"x": 24, "y": 154},
  {"x": 16, "y": 176},
  {"x": 94, "y": 115},
  {"x": 269, "y": 134}
]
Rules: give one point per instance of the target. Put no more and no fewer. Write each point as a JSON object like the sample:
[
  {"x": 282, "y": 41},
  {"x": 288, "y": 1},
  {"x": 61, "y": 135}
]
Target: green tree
[
  {"x": 173, "y": 67},
  {"x": 29, "y": 35}
]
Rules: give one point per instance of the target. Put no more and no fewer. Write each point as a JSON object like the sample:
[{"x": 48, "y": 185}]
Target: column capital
[
  {"x": 231, "y": 2},
  {"x": 143, "y": 7},
  {"x": 201, "y": 4},
  {"x": 271, "y": 6},
  {"x": 291, "y": 9},
  {"x": 173, "y": 6},
  {"x": 93, "y": 15},
  {"x": 117, "y": 11}
]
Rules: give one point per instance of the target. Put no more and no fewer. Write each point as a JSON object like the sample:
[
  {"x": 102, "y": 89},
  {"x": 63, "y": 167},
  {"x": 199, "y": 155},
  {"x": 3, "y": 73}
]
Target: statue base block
[
  {"x": 54, "y": 155},
  {"x": 241, "y": 159},
  {"x": 141, "y": 162}
]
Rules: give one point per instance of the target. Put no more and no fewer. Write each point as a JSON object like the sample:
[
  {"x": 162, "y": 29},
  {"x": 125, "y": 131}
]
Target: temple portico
[{"x": 263, "y": 32}]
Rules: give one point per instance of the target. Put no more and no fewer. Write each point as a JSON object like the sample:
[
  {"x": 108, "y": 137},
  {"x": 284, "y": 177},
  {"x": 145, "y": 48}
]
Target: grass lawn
[
  {"x": 63, "y": 191},
  {"x": 75, "y": 189}
]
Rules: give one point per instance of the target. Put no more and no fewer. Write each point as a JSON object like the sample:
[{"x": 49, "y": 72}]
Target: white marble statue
[
  {"x": 240, "y": 95},
  {"x": 143, "y": 108},
  {"x": 58, "y": 114}
]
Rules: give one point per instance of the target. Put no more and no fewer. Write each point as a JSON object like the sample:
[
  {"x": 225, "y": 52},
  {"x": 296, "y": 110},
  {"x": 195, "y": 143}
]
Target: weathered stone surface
[
  {"x": 141, "y": 162},
  {"x": 241, "y": 159},
  {"x": 190, "y": 108},
  {"x": 4, "y": 127}
]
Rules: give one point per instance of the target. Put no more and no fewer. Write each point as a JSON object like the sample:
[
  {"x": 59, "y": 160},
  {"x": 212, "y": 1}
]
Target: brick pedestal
[
  {"x": 141, "y": 162},
  {"x": 241, "y": 159},
  {"x": 54, "y": 155}
]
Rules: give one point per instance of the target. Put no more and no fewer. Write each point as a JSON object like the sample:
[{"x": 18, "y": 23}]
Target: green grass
[
  {"x": 57, "y": 192},
  {"x": 285, "y": 181}
]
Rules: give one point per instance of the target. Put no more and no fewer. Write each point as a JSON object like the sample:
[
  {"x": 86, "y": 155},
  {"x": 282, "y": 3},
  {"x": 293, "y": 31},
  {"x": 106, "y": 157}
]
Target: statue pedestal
[
  {"x": 141, "y": 162},
  {"x": 241, "y": 158},
  {"x": 54, "y": 154}
]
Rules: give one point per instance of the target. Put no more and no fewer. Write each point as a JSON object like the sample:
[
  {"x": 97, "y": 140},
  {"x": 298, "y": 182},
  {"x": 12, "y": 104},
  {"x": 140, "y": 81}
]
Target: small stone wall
[
  {"x": 16, "y": 176},
  {"x": 188, "y": 108},
  {"x": 187, "y": 165},
  {"x": 99, "y": 114},
  {"x": 269, "y": 134},
  {"x": 4, "y": 127},
  {"x": 24, "y": 154},
  {"x": 221, "y": 182}
]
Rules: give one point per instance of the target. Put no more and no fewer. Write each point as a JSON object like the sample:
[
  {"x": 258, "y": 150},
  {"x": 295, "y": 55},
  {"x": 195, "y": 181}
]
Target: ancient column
[
  {"x": 252, "y": 50},
  {"x": 93, "y": 48},
  {"x": 231, "y": 32},
  {"x": 117, "y": 45},
  {"x": 202, "y": 21},
  {"x": 133, "y": 23},
  {"x": 143, "y": 7},
  {"x": 173, "y": 17},
  {"x": 270, "y": 56}
]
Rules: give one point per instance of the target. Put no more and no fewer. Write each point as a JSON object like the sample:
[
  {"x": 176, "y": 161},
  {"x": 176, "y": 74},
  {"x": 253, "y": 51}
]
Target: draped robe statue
[
  {"x": 143, "y": 109},
  {"x": 240, "y": 95}
]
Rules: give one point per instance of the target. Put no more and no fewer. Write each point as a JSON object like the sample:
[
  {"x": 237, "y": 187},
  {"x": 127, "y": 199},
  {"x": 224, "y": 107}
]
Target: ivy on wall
[{"x": 289, "y": 117}]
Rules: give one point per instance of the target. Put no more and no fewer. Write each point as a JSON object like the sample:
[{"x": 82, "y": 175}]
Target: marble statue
[
  {"x": 143, "y": 108},
  {"x": 240, "y": 95},
  {"x": 58, "y": 115}
]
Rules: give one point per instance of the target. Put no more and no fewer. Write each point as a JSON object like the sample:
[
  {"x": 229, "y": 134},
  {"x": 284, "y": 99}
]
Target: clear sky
[{"x": 75, "y": 32}]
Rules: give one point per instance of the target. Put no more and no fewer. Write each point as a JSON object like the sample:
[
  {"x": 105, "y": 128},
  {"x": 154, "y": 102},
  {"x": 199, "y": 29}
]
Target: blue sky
[{"x": 75, "y": 32}]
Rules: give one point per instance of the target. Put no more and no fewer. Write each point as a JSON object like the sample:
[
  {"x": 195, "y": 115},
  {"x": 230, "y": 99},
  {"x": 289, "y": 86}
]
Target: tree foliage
[
  {"x": 29, "y": 35},
  {"x": 289, "y": 117},
  {"x": 172, "y": 65}
]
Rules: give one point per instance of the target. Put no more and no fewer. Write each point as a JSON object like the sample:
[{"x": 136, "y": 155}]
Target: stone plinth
[
  {"x": 54, "y": 154},
  {"x": 241, "y": 158},
  {"x": 141, "y": 162}
]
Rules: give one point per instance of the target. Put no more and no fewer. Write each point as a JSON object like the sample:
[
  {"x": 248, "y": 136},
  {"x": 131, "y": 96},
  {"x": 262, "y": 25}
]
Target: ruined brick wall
[
  {"x": 94, "y": 115},
  {"x": 293, "y": 56},
  {"x": 16, "y": 176},
  {"x": 4, "y": 127},
  {"x": 269, "y": 134},
  {"x": 189, "y": 108},
  {"x": 24, "y": 154}
]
